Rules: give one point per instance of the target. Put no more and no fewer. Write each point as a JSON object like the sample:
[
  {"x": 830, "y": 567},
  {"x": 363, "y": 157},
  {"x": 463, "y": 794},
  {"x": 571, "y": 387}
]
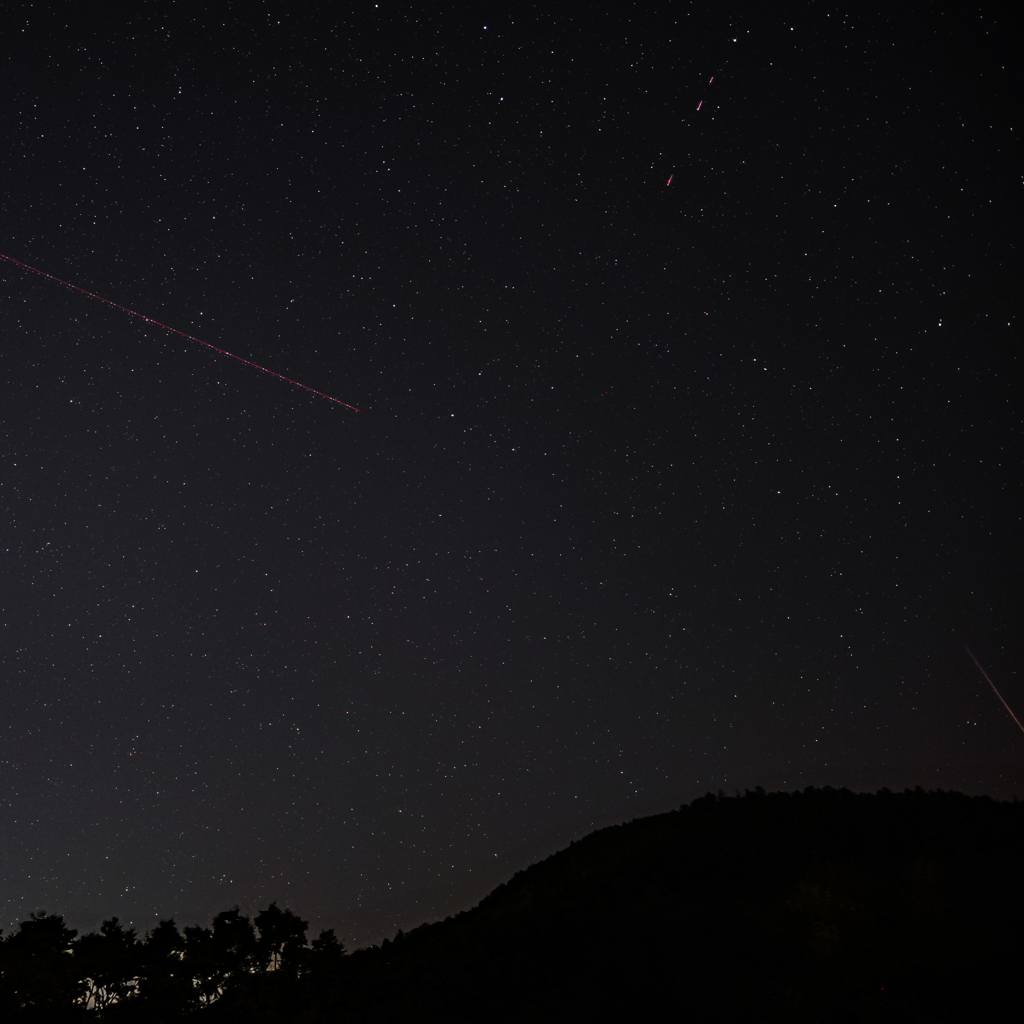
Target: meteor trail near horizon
[
  {"x": 993, "y": 685},
  {"x": 174, "y": 330}
]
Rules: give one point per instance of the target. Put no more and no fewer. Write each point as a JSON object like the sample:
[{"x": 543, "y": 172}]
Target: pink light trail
[
  {"x": 993, "y": 685},
  {"x": 174, "y": 330}
]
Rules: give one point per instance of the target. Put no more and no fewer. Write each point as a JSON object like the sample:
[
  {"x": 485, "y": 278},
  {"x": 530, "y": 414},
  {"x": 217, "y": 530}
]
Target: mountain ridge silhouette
[{"x": 819, "y": 905}]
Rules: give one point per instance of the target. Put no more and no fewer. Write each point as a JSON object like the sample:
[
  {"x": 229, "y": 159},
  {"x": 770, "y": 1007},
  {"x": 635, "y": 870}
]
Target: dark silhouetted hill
[{"x": 818, "y": 906}]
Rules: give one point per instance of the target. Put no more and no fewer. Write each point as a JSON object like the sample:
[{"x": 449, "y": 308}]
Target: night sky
[{"x": 654, "y": 488}]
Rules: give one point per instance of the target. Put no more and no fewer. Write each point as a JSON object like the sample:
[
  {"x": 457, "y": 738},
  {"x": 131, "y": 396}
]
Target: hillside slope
[{"x": 821, "y": 905}]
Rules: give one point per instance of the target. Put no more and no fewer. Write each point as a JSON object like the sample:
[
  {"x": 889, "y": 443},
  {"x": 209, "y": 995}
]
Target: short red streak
[
  {"x": 174, "y": 330},
  {"x": 699, "y": 104}
]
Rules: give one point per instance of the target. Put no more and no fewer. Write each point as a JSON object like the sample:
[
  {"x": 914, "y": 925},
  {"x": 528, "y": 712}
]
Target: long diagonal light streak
[
  {"x": 174, "y": 330},
  {"x": 993, "y": 685}
]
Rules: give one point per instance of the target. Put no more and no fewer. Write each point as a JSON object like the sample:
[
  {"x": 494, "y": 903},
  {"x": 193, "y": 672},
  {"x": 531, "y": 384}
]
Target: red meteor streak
[
  {"x": 174, "y": 330},
  {"x": 993, "y": 685}
]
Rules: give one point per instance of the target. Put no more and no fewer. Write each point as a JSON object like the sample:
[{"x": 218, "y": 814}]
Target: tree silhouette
[
  {"x": 218, "y": 959},
  {"x": 282, "y": 942},
  {"x": 37, "y": 970},
  {"x": 325, "y": 951},
  {"x": 166, "y": 989},
  {"x": 109, "y": 961}
]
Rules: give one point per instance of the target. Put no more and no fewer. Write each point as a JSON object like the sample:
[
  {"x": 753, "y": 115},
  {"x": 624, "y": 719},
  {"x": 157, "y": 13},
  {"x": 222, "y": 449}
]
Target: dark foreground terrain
[{"x": 823, "y": 905}]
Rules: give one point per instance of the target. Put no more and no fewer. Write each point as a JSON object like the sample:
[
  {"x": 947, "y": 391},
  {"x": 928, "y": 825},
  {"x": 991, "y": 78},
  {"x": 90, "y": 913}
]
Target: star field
[{"x": 654, "y": 489}]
